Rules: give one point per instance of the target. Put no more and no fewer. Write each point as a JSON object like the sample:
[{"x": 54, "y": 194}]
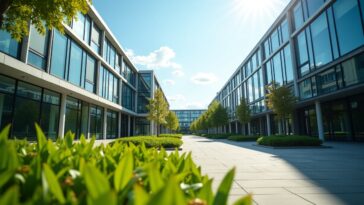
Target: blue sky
[{"x": 193, "y": 45}]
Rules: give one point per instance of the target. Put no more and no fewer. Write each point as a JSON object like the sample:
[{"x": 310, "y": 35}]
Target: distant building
[
  {"x": 186, "y": 117},
  {"x": 316, "y": 48},
  {"x": 81, "y": 81}
]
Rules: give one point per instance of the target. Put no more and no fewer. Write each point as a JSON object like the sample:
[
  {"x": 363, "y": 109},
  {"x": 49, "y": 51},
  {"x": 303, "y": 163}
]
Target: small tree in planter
[
  {"x": 172, "y": 121},
  {"x": 158, "y": 109},
  {"x": 243, "y": 112},
  {"x": 281, "y": 101}
]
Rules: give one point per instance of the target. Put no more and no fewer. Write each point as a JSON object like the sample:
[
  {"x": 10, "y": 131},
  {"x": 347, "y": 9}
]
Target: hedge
[
  {"x": 216, "y": 136},
  {"x": 291, "y": 140},
  {"x": 171, "y": 135},
  {"x": 242, "y": 138},
  {"x": 64, "y": 172},
  {"x": 153, "y": 141}
]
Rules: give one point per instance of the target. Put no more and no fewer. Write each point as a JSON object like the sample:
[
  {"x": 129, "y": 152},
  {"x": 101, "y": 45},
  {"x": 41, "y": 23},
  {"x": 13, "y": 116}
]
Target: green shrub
[
  {"x": 153, "y": 141},
  {"x": 242, "y": 138},
  {"x": 171, "y": 135},
  {"x": 294, "y": 140},
  {"x": 64, "y": 172},
  {"x": 216, "y": 136}
]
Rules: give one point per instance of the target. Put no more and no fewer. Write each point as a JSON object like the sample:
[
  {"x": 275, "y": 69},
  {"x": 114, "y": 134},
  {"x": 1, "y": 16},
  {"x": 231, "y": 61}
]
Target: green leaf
[
  {"x": 155, "y": 178},
  {"x": 96, "y": 183},
  {"x": 4, "y": 134},
  {"x": 108, "y": 198},
  {"x": 42, "y": 140},
  {"x": 224, "y": 188},
  {"x": 140, "y": 196},
  {"x": 169, "y": 194},
  {"x": 11, "y": 196},
  {"x": 50, "y": 181},
  {"x": 124, "y": 171},
  {"x": 68, "y": 139},
  {"x": 206, "y": 192},
  {"x": 5, "y": 176},
  {"x": 246, "y": 200}
]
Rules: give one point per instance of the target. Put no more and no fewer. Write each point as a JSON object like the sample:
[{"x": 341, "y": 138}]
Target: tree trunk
[{"x": 4, "y": 6}]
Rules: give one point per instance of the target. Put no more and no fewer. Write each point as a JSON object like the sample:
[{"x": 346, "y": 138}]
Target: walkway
[{"x": 284, "y": 176}]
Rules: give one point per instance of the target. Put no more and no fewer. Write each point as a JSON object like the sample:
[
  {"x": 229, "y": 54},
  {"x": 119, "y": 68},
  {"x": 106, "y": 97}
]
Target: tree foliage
[
  {"x": 172, "y": 122},
  {"x": 243, "y": 112},
  {"x": 216, "y": 115},
  {"x": 280, "y": 100},
  {"x": 15, "y": 15},
  {"x": 158, "y": 109}
]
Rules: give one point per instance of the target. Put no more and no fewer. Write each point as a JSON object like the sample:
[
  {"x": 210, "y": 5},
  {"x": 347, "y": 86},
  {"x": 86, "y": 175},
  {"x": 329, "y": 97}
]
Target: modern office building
[
  {"x": 315, "y": 47},
  {"x": 186, "y": 117},
  {"x": 80, "y": 81}
]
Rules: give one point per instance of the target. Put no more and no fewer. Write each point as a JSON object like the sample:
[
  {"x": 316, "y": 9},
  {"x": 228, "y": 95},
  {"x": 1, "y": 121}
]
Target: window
[
  {"x": 38, "y": 46},
  {"x": 95, "y": 38},
  {"x": 266, "y": 49},
  {"x": 90, "y": 74},
  {"x": 269, "y": 72},
  {"x": 321, "y": 41},
  {"x": 353, "y": 70},
  {"x": 112, "y": 125},
  {"x": 285, "y": 31},
  {"x": 96, "y": 121},
  {"x": 82, "y": 27},
  {"x": 59, "y": 53},
  {"x": 27, "y": 110},
  {"x": 288, "y": 64},
  {"x": 8, "y": 45},
  {"x": 75, "y": 64},
  {"x": 348, "y": 25},
  {"x": 313, "y": 6},
  {"x": 7, "y": 89},
  {"x": 128, "y": 98},
  {"x": 275, "y": 40},
  {"x": 50, "y": 114},
  {"x": 73, "y": 111},
  {"x": 298, "y": 15},
  {"x": 108, "y": 85},
  {"x": 305, "y": 89},
  {"x": 278, "y": 78},
  {"x": 326, "y": 81}
]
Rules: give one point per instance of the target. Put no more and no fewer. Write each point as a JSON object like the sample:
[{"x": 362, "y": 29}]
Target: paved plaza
[{"x": 284, "y": 176}]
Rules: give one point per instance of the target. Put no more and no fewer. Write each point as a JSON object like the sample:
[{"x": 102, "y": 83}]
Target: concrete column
[
  {"x": 104, "y": 132},
  {"x": 128, "y": 125},
  {"x": 249, "y": 129},
  {"x": 62, "y": 116},
  {"x": 269, "y": 131},
  {"x": 25, "y": 47},
  {"x": 320, "y": 125}
]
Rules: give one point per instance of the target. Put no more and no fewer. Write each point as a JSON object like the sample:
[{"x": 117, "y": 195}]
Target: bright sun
[{"x": 255, "y": 10}]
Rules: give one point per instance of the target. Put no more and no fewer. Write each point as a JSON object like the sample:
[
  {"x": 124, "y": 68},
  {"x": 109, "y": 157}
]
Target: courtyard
[{"x": 284, "y": 176}]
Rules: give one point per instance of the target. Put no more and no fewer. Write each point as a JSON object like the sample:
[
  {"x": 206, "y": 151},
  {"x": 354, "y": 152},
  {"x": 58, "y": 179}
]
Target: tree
[
  {"x": 15, "y": 15},
  {"x": 220, "y": 116},
  {"x": 158, "y": 109},
  {"x": 243, "y": 112},
  {"x": 172, "y": 121},
  {"x": 281, "y": 101}
]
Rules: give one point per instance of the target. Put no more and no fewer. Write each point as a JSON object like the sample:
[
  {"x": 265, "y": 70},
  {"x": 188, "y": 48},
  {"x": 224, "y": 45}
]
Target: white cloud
[
  {"x": 169, "y": 82},
  {"x": 160, "y": 58},
  {"x": 204, "y": 78},
  {"x": 178, "y": 73}
]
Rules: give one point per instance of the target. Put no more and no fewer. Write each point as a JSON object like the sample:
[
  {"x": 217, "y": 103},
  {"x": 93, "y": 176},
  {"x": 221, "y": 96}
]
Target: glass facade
[
  {"x": 186, "y": 117},
  {"x": 23, "y": 104},
  {"x": 9, "y": 45},
  {"x": 128, "y": 98},
  {"x": 112, "y": 124},
  {"x": 144, "y": 92},
  {"x": 38, "y": 48},
  {"x": 108, "y": 85}
]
